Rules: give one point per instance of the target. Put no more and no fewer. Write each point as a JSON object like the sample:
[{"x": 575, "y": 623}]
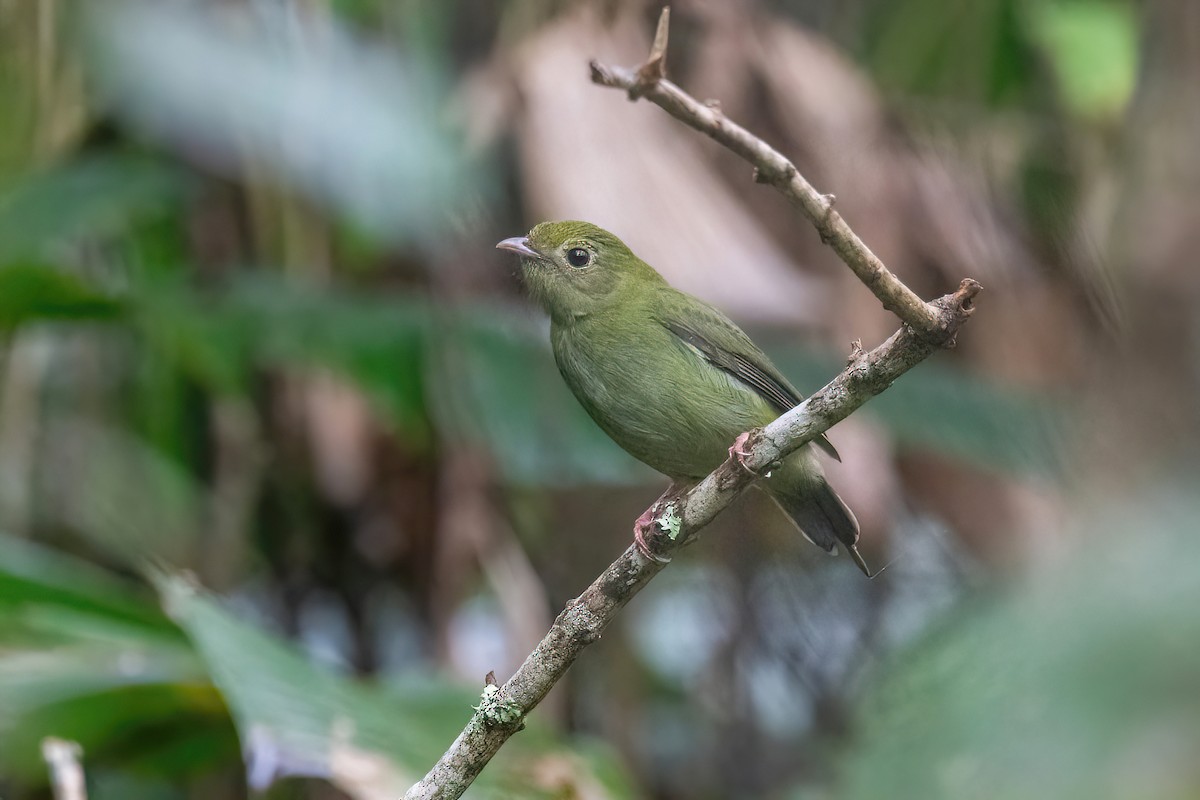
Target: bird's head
[{"x": 574, "y": 269}]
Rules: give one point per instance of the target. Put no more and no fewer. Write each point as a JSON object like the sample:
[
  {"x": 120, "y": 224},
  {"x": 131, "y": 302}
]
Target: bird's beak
[{"x": 520, "y": 246}]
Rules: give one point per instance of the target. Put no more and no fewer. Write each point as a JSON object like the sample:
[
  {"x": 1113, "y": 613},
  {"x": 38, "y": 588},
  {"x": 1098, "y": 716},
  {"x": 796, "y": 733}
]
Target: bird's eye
[{"x": 578, "y": 257}]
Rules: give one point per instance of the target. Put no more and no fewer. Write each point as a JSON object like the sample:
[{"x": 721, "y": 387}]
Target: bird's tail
[{"x": 821, "y": 515}]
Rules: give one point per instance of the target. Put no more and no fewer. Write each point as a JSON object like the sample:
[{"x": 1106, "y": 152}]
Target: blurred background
[{"x": 286, "y": 466}]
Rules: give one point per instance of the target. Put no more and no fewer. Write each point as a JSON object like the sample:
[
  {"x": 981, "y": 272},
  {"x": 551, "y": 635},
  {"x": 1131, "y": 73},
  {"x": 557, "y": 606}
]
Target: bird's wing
[{"x": 727, "y": 347}]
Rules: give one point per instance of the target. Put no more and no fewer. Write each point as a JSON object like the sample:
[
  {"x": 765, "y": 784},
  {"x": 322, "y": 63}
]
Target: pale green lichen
[
  {"x": 670, "y": 521},
  {"x": 496, "y": 712}
]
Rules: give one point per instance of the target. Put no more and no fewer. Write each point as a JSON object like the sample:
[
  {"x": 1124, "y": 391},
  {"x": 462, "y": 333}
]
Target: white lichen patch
[
  {"x": 496, "y": 711},
  {"x": 670, "y": 521}
]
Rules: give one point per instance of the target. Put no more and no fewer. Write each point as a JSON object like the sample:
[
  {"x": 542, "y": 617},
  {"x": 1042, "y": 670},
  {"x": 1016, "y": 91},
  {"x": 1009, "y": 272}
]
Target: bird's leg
[
  {"x": 643, "y": 528},
  {"x": 739, "y": 451}
]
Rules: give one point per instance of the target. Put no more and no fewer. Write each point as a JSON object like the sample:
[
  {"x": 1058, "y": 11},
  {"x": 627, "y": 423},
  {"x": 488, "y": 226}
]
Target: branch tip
[
  {"x": 658, "y": 52},
  {"x": 965, "y": 296},
  {"x": 655, "y": 67}
]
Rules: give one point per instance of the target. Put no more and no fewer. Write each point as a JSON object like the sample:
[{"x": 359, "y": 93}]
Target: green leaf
[
  {"x": 374, "y": 340},
  {"x": 122, "y": 495},
  {"x": 297, "y": 719},
  {"x": 1092, "y": 48},
  {"x": 173, "y": 730},
  {"x": 85, "y": 656},
  {"x": 92, "y": 196},
  {"x": 194, "y": 334},
  {"x": 33, "y": 575},
  {"x": 261, "y": 321},
  {"x": 303, "y": 717},
  {"x": 32, "y": 291},
  {"x": 974, "y": 52}
]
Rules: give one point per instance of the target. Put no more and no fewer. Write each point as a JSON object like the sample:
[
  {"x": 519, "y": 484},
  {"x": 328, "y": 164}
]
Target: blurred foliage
[
  {"x": 980, "y": 421},
  {"x": 1092, "y": 48},
  {"x": 391, "y": 346},
  {"x": 85, "y": 657},
  {"x": 373, "y": 741},
  {"x": 249, "y": 320},
  {"x": 1083, "y": 681},
  {"x": 43, "y": 212},
  {"x": 35, "y": 291},
  {"x": 987, "y": 51},
  {"x": 349, "y": 123}
]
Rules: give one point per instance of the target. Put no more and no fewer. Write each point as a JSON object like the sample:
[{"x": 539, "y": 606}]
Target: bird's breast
[{"x": 654, "y": 396}]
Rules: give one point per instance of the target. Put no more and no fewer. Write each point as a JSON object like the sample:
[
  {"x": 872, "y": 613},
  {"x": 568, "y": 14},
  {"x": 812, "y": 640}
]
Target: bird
[{"x": 669, "y": 377}]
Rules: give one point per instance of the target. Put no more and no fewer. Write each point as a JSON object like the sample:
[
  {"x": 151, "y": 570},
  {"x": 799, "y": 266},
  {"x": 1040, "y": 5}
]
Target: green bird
[{"x": 669, "y": 377}]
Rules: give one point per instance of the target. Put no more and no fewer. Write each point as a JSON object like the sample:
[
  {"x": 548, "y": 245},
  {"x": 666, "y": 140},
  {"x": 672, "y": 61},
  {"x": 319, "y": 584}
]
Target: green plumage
[{"x": 669, "y": 377}]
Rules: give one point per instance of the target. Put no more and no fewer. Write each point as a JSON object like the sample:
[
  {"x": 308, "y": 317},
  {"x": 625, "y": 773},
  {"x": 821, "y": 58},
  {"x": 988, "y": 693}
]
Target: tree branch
[
  {"x": 502, "y": 709},
  {"x": 770, "y": 166}
]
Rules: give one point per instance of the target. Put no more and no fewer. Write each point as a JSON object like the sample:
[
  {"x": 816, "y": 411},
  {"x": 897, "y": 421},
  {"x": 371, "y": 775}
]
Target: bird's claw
[
  {"x": 643, "y": 529},
  {"x": 739, "y": 451}
]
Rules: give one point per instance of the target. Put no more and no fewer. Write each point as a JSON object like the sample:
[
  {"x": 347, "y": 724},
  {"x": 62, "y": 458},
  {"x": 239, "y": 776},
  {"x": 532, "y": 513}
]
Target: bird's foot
[
  {"x": 740, "y": 450},
  {"x": 643, "y": 528}
]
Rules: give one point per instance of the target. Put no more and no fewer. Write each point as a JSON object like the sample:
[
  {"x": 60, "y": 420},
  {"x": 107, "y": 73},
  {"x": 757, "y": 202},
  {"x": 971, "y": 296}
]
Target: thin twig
[
  {"x": 502, "y": 709},
  {"x": 66, "y": 771},
  {"x": 770, "y": 166}
]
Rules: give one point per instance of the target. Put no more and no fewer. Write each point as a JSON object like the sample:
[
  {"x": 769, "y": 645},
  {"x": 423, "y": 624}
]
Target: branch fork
[{"x": 675, "y": 520}]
